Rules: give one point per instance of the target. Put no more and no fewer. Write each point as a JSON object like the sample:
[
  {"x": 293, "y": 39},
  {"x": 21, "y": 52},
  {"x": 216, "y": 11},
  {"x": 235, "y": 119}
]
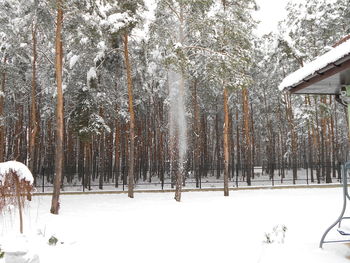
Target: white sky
[{"x": 270, "y": 13}]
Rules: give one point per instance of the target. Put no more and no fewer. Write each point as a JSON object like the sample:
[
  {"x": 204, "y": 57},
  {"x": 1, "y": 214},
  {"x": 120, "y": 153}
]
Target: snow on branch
[
  {"x": 20, "y": 169},
  {"x": 117, "y": 21},
  {"x": 91, "y": 75},
  {"x": 73, "y": 60},
  {"x": 211, "y": 51}
]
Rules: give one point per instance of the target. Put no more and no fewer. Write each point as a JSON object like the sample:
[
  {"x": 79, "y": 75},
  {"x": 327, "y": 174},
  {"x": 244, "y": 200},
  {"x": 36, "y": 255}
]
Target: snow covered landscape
[
  {"x": 111, "y": 109},
  {"x": 205, "y": 227}
]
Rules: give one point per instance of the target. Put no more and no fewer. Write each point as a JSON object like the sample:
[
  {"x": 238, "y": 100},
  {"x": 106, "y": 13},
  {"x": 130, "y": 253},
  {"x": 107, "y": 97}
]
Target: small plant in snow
[
  {"x": 41, "y": 232},
  {"x": 53, "y": 241},
  {"x": 2, "y": 253},
  {"x": 277, "y": 235},
  {"x": 268, "y": 239}
]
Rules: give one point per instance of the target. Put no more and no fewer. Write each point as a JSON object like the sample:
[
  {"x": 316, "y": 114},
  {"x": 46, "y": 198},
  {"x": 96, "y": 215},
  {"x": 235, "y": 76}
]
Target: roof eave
[{"x": 327, "y": 71}]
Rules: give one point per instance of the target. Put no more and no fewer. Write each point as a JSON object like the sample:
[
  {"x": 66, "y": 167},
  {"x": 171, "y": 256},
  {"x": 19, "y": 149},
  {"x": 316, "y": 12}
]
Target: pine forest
[{"x": 128, "y": 92}]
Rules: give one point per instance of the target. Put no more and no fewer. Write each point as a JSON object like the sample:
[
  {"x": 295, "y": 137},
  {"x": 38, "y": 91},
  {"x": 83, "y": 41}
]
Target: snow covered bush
[{"x": 16, "y": 186}]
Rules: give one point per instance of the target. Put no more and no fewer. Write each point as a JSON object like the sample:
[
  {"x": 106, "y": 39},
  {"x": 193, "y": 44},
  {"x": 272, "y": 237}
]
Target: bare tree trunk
[
  {"x": 226, "y": 143},
  {"x": 196, "y": 136},
  {"x": 310, "y": 143},
  {"x": 317, "y": 143},
  {"x": 59, "y": 112},
  {"x": 333, "y": 141},
  {"x": 294, "y": 138},
  {"x": 161, "y": 152},
  {"x": 2, "y": 117},
  {"x": 70, "y": 156},
  {"x": 247, "y": 138},
  {"x": 238, "y": 149},
  {"x": 253, "y": 141},
  {"x": 87, "y": 164},
  {"x": 132, "y": 119},
  {"x": 117, "y": 151},
  {"x": 217, "y": 146},
  {"x": 33, "y": 110},
  {"x": 205, "y": 159},
  {"x": 232, "y": 148}
]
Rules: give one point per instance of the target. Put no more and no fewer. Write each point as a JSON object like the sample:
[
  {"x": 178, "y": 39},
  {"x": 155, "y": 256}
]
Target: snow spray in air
[{"x": 177, "y": 119}]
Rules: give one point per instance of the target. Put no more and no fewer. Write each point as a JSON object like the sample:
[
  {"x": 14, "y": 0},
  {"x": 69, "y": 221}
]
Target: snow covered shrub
[
  {"x": 277, "y": 235},
  {"x": 16, "y": 186}
]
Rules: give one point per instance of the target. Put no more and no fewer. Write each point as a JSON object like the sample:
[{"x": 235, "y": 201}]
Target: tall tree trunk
[
  {"x": 33, "y": 108},
  {"x": 87, "y": 164},
  {"x": 226, "y": 143},
  {"x": 117, "y": 150},
  {"x": 101, "y": 145},
  {"x": 205, "y": 146},
  {"x": 247, "y": 138},
  {"x": 217, "y": 146},
  {"x": 2, "y": 117},
  {"x": 310, "y": 142},
  {"x": 59, "y": 111},
  {"x": 70, "y": 156},
  {"x": 18, "y": 131},
  {"x": 161, "y": 152},
  {"x": 132, "y": 118},
  {"x": 294, "y": 137},
  {"x": 334, "y": 147},
  {"x": 252, "y": 147},
  {"x": 196, "y": 135},
  {"x": 238, "y": 148},
  {"x": 232, "y": 148},
  {"x": 317, "y": 143}
]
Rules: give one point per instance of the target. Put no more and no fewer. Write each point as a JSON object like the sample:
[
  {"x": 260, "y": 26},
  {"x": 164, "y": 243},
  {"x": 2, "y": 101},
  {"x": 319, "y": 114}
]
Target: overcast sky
[{"x": 271, "y": 11}]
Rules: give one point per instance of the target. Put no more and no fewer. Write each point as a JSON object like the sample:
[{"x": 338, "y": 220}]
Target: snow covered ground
[
  {"x": 204, "y": 227},
  {"x": 304, "y": 178}
]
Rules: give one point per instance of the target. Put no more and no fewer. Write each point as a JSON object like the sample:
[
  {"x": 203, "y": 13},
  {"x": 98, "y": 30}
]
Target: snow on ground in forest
[
  {"x": 204, "y": 227},
  {"x": 211, "y": 181}
]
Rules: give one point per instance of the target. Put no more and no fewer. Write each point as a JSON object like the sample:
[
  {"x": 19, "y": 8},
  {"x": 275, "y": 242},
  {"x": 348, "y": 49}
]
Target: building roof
[{"x": 327, "y": 74}]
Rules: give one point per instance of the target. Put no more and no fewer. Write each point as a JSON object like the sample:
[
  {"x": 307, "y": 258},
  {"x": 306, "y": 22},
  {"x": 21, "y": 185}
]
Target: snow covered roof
[
  {"x": 21, "y": 170},
  {"x": 324, "y": 75}
]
